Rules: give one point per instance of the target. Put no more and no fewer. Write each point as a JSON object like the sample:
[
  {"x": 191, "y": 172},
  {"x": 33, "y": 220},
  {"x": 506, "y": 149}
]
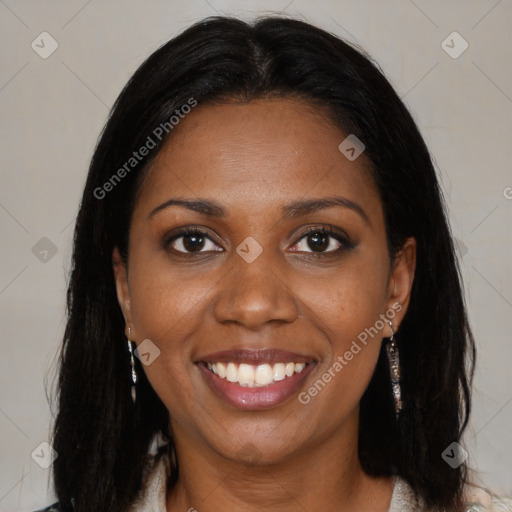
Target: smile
[{"x": 255, "y": 387}]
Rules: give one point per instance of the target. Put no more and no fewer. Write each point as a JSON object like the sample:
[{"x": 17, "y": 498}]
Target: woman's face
[{"x": 256, "y": 292}]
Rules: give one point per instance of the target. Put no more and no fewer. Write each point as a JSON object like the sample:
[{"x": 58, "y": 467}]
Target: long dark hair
[{"x": 102, "y": 439}]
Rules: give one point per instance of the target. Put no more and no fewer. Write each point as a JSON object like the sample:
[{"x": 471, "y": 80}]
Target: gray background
[{"x": 53, "y": 110}]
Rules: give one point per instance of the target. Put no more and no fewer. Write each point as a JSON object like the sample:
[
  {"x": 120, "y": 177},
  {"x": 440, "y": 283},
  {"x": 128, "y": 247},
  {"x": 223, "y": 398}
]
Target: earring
[
  {"x": 394, "y": 369},
  {"x": 132, "y": 364}
]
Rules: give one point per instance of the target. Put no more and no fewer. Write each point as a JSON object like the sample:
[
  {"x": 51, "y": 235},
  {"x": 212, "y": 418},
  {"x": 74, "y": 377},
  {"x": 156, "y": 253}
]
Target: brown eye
[
  {"x": 191, "y": 241},
  {"x": 323, "y": 241}
]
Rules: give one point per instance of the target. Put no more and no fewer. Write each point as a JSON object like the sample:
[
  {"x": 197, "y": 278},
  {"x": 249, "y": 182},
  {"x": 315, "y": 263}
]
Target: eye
[
  {"x": 190, "y": 241},
  {"x": 323, "y": 241}
]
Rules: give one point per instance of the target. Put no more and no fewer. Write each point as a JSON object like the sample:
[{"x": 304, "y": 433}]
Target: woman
[{"x": 265, "y": 309}]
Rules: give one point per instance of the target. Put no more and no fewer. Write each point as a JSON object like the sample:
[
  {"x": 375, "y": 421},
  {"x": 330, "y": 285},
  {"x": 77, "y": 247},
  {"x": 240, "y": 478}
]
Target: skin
[{"x": 253, "y": 159}]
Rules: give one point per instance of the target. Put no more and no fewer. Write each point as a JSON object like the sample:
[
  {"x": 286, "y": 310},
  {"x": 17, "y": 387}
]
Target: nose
[{"x": 253, "y": 294}]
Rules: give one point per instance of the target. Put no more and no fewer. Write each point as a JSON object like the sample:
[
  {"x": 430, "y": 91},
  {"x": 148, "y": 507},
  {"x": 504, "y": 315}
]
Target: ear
[
  {"x": 122, "y": 289},
  {"x": 400, "y": 282}
]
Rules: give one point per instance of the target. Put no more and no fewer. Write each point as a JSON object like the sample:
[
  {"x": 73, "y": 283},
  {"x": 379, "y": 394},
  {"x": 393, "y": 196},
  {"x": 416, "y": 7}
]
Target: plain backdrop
[{"x": 53, "y": 109}]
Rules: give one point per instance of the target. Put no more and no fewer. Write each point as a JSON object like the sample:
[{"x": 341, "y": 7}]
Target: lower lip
[{"x": 255, "y": 398}]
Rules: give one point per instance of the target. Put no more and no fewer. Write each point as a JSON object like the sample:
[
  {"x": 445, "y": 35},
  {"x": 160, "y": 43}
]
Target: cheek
[
  {"x": 348, "y": 311},
  {"x": 170, "y": 306},
  {"x": 165, "y": 309},
  {"x": 349, "y": 315},
  {"x": 351, "y": 301},
  {"x": 164, "y": 301}
]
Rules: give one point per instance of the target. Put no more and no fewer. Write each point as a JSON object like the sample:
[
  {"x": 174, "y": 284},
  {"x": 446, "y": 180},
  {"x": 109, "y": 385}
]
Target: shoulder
[
  {"x": 479, "y": 499},
  {"x": 403, "y": 498}
]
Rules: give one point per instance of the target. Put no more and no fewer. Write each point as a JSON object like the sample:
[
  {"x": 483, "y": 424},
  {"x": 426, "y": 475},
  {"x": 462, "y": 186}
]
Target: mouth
[{"x": 255, "y": 379}]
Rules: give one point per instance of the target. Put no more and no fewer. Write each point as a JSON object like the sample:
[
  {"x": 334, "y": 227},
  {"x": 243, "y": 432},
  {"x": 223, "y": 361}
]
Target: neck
[{"x": 327, "y": 475}]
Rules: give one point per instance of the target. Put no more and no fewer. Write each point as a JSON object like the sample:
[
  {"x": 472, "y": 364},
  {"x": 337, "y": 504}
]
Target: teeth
[
  {"x": 255, "y": 376},
  {"x": 221, "y": 370},
  {"x": 232, "y": 372},
  {"x": 245, "y": 374},
  {"x": 279, "y": 371},
  {"x": 299, "y": 367},
  {"x": 263, "y": 374}
]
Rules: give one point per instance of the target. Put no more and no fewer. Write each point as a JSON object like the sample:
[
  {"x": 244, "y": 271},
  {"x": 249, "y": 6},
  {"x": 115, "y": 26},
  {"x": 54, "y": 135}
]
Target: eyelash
[{"x": 327, "y": 231}]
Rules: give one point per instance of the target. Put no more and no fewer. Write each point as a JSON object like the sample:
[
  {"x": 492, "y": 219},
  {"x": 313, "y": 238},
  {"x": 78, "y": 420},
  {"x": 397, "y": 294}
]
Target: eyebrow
[{"x": 293, "y": 210}]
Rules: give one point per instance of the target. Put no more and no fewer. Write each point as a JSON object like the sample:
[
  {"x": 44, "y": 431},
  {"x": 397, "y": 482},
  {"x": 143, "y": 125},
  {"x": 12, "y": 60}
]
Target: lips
[
  {"x": 256, "y": 357},
  {"x": 243, "y": 392}
]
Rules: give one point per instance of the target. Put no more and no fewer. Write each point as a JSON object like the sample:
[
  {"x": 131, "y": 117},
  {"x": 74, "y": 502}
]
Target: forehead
[{"x": 257, "y": 154}]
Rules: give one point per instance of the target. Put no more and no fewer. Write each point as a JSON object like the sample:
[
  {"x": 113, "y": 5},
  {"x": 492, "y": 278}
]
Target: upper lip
[{"x": 255, "y": 356}]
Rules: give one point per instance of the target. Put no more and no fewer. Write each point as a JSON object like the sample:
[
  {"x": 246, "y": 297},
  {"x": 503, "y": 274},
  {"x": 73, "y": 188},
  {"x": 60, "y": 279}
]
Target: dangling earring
[
  {"x": 394, "y": 369},
  {"x": 132, "y": 364}
]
